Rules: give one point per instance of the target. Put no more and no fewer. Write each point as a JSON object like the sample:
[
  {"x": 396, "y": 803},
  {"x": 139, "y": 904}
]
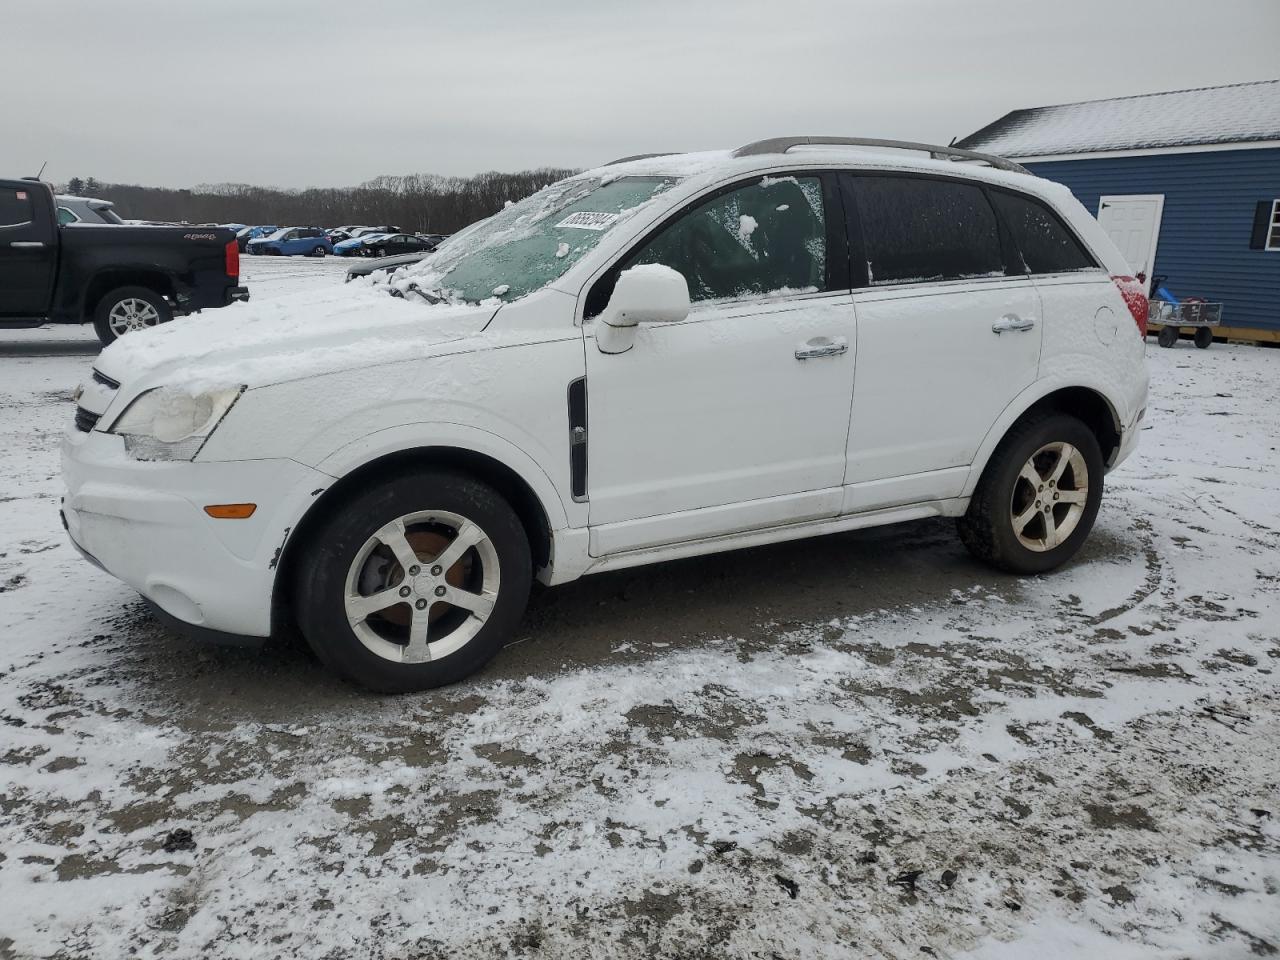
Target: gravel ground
[{"x": 863, "y": 745}]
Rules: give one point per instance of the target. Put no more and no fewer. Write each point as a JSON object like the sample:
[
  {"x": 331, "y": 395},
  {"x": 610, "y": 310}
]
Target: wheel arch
[
  {"x": 538, "y": 521},
  {"x": 104, "y": 281},
  {"x": 1090, "y": 404}
]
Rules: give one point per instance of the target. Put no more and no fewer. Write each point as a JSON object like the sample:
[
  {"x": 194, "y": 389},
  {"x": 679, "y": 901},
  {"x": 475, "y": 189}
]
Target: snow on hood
[{"x": 289, "y": 337}]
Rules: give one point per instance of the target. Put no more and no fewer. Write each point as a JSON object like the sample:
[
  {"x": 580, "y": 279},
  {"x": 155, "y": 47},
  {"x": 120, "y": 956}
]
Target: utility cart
[{"x": 1172, "y": 315}]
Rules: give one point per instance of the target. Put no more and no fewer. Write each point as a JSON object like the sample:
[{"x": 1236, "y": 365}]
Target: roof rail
[
  {"x": 783, "y": 144},
  {"x": 638, "y": 156}
]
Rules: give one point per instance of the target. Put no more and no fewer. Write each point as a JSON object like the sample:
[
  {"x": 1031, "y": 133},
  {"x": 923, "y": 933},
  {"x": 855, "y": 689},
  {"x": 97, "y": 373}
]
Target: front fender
[{"x": 416, "y": 436}]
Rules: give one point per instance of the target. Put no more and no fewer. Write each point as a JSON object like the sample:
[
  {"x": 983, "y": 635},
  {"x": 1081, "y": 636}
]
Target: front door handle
[
  {"x": 822, "y": 347},
  {"x": 1011, "y": 321},
  {"x": 27, "y": 244}
]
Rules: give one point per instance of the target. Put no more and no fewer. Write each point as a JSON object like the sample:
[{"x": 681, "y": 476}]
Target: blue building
[{"x": 1187, "y": 183}]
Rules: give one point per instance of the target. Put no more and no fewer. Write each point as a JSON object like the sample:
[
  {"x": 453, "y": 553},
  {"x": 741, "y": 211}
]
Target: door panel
[
  {"x": 28, "y": 251},
  {"x": 933, "y": 376},
  {"x": 715, "y": 411},
  {"x": 1133, "y": 224}
]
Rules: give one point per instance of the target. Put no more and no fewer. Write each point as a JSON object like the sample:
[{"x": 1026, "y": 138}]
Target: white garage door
[{"x": 1133, "y": 223}]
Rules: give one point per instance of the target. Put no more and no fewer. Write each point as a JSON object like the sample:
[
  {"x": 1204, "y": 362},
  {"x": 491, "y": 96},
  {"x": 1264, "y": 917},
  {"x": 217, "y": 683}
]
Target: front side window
[
  {"x": 16, "y": 209},
  {"x": 1045, "y": 243},
  {"x": 529, "y": 244},
  {"x": 768, "y": 238},
  {"x": 917, "y": 230}
]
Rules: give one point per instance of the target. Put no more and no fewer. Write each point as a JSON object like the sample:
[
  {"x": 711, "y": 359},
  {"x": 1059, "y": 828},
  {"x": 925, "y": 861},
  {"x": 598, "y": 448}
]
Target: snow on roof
[{"x": 1238, "y": 113}]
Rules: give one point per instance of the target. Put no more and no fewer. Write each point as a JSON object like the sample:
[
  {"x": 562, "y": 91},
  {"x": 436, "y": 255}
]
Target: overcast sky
[{"x": 333, "y": 92}]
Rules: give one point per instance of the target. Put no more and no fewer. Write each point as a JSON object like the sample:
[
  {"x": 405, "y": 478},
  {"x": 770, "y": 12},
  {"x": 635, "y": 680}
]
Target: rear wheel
[
  {"x": 1167, "y": 336},
  {"x": 1204, "y": 337},
  {"x": 415, "y": 583},
  {"x": 318, "y": 252},
  {"x": 1038, "y": 496},
  {"x": 128, "y": 310}
]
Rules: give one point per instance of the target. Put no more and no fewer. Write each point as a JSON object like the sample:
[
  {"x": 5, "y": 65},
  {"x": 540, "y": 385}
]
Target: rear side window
[
  {"x": 15, "y": 207},
  {"x": 1044, "y": 241},
  {"x": 65, "y": 216},
  {"x": 766, "y": 238},
  {"x": 916, "y": 230}
]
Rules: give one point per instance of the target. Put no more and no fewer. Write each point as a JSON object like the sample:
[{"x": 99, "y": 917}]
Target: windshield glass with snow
[{"x": 531, "y": 243}]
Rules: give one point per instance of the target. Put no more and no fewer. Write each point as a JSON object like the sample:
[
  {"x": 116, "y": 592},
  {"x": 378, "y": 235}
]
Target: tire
[
  {"x": 1168, "y": 336},
  {"x": 1203, "y": 337},
  {"x": 127, "y": 309},
  {"x": 380, "y": 252},
  {"x": 350, "y": 557},
  {"x": 1005, "y": 494},
  {"x": 318, "y": 252}
]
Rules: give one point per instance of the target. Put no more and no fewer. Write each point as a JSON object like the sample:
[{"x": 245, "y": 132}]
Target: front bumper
[{"x": 144, "y": 523}]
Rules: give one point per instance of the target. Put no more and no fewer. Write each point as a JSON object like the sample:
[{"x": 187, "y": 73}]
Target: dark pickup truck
[{"x": 120, "y": 278}]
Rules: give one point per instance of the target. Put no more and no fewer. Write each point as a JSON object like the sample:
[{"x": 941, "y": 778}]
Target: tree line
[{"x": 423, "y": 203}]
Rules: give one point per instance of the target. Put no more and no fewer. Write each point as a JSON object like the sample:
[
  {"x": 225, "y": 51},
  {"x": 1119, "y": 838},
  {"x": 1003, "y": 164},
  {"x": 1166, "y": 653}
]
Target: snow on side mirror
[{"x": 650, "y": 293}]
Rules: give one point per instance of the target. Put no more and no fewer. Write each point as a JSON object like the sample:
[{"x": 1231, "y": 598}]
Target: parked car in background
[
  {"x": 389, "y": 244},
  {"x": 245, "y": 234},
  {"x": 122, "y": 278},
  {"x": 354, "y": 246},
  {"x": 661, "y": 358},
  {"x": 86, "y": 210},
  {"x": 292, "y": 242}
]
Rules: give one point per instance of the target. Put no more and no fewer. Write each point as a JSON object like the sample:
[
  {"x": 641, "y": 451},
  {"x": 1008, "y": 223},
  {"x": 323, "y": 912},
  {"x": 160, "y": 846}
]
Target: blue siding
[{"x": 1209, "y": 202}]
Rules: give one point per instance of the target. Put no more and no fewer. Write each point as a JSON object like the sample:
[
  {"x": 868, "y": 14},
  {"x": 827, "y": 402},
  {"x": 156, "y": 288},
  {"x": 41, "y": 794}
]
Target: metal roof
[{"x": 1238, "y": 113}]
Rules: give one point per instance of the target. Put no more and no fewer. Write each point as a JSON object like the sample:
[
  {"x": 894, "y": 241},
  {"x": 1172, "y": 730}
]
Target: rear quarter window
[
  {"x": 917, "y": 230},
  {"x": 16, "y": 208},
  {"x": 1044, "y": 241}
]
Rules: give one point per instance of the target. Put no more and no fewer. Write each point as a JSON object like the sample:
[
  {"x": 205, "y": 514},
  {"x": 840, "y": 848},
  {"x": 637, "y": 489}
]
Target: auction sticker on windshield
[{"x": 586, "y": 220}]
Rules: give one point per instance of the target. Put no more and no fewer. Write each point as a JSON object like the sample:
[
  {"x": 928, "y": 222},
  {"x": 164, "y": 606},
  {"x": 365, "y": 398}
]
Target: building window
[{"x": 1273, "y": 233}]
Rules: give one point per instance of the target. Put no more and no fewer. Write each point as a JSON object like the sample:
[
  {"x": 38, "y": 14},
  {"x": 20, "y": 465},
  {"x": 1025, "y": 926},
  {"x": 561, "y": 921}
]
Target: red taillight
[
  {"x": 1135, "y": 298},
  {"x": 233, "y": 260}
]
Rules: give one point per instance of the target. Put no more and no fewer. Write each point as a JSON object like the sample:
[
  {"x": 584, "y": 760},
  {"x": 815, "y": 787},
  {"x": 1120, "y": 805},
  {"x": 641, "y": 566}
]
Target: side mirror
[{"x": 650, "y": 293}]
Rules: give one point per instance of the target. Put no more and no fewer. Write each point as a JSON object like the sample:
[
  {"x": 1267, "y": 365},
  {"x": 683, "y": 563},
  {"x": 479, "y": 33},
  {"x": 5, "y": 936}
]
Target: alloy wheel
[
  {"x": 132, "y": 314},
  {"x": 1049, "y": 496},
  {"x": 422, "y": 586}
]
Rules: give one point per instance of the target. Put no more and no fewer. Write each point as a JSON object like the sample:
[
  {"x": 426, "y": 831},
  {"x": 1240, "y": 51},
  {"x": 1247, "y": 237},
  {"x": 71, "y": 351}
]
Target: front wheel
[
  {"x": 1167, "y": 336},
  {"x": 1038, "y": 497},
  {"x": 1203, "y": 337},
  {"x": 128, "y": 310},
  {"x": 414, "y": 583}
]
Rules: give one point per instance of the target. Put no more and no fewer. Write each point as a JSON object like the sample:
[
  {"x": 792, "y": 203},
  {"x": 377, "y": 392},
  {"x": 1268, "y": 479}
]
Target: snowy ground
[{"x": 860, "y": 746}]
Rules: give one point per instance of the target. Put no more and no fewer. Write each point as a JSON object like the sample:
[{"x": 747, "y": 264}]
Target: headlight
[{"x": 168, "y": 423}]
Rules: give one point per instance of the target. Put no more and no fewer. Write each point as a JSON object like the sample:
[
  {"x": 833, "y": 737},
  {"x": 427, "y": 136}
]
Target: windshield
[
  {"x": 531, "y": 243},
  {"x": 279, "y": 234}
]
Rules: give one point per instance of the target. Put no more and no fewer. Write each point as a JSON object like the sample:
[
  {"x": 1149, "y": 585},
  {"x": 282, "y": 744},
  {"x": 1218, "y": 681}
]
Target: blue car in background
[
  {"x": 355, "y": 246},
  {"x": 292, "y": 242}
]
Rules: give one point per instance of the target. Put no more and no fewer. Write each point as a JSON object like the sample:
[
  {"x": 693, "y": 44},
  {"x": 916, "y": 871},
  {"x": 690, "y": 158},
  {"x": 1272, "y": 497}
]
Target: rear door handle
[
  {"x": 1011, "y": 321},
  {"x": 822, "y": 347},
  {"x": 27, "y": 244}
]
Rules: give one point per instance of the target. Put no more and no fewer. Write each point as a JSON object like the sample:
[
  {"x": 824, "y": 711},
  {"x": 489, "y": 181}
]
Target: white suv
[{"x": 667, "y": 356}]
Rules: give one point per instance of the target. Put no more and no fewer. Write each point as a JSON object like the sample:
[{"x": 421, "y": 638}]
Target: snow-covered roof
[{"x": 1238, "y": 113}]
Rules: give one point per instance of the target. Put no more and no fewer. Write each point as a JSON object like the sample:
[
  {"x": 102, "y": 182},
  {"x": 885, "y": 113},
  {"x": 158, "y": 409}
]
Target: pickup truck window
[{"x": 15, "y": 208}]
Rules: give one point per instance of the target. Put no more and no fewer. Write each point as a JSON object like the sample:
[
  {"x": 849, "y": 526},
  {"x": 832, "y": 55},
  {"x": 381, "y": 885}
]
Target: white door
[
  {"x": 737, "y": 417},
  {"x": 1133, "y": 224},
  {"x": 933, "y": 376},
  {"x": 946, "y": 337}
]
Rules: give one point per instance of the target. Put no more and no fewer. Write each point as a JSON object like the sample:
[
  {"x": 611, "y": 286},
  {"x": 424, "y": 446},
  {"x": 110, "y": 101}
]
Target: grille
[{"x": 85, "y": 420}]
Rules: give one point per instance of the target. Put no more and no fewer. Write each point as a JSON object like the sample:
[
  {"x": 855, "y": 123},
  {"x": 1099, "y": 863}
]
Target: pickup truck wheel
[
  {"x": 414, "y": 583},
  {"x": 129, "y": 309},
  {"x": 1038, "y": 497}
]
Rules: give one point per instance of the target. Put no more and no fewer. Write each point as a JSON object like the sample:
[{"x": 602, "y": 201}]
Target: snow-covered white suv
[{"x": 667, "y": 356}]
